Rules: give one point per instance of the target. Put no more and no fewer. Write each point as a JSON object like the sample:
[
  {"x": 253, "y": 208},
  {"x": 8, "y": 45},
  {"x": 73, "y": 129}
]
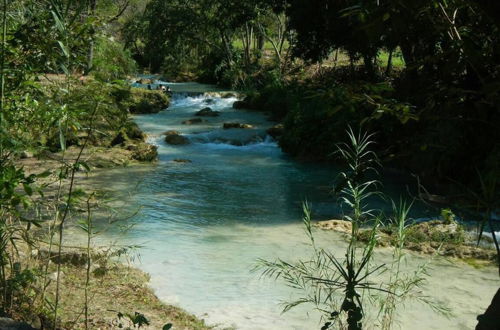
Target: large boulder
[
  {"x": 236, "y": 125},
  {"x": 175, "y": 138},
  {"x": 207, "y": 112},
  {"x": 145, "y": 152},
  {"x": 142, "y": 101}
]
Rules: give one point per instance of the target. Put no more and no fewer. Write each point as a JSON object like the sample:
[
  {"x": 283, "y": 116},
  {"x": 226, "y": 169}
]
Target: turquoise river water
[{"x": 202, "y": 225}]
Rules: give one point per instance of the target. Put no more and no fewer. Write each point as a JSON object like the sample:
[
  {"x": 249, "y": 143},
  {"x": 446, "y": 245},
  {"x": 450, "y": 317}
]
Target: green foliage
[
  {"x": 436, "y": 231},
  {"x": 47, "y": 40},
  {"x": 138, "y": 320},
  {"x": 11, "y": 179},
  {"x": 112, "y": 61},
  {"x": 339, "y": 288},
  {"x": 138, "y": 100},
  {"x": 448, "y": 216},
  {"x": 315, "y": 122}
]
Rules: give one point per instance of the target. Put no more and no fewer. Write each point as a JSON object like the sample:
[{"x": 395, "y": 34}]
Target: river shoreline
[
  {"x": 115, "y": 287},
  {"x": 115, "y": 157}
]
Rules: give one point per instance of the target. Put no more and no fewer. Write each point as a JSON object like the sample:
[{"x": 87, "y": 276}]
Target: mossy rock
[
  {"x": 145, "y": 153},
  {"x": 120, "y": 138},
  {"x": 436, "y": 231},
  {"x": 134, "y": 132},
  {"x": 236, "y": 125},
  {"x": 176, "y": 139},
  {"x": 207, "y": 112},
  {"x": 142, "y": 101}
]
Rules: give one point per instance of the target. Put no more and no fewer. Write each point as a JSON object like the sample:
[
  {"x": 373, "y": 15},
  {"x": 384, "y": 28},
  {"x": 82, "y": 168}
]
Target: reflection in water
[{"x": 203, "y": 224}]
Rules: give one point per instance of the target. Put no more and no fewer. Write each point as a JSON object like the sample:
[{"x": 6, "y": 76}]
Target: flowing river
[{"x": 203, "y": 224}]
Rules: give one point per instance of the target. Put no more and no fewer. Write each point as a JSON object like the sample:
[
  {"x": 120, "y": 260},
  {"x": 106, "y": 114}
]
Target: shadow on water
[{"x": 203, "y": 223}]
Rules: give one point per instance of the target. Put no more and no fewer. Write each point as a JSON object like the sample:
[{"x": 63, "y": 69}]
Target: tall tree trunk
[
  {"x": 336, "y": 58},
  {"x": 2, "y": 71},
  {"x": 369, "y": 66},
  {"x": 227, "y": 48},
  {"x": 261, "y": 42},
  {"x": 90, "y": 55},
  {"x": 408, "y": 51},
  {"x": 388, "y": 69}
]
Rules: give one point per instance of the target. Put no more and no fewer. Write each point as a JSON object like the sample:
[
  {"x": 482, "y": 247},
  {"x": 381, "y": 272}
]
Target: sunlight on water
[{"x": 204, "y": 224}]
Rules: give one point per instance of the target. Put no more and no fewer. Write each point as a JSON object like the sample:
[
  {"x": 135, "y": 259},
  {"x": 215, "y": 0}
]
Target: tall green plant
[
  {"x": 401, "y": 285},
  {"x": 340, "y": 287},
  {"x": 335, "y": 286}
]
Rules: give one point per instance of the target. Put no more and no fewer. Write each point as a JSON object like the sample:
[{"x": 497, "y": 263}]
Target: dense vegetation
[
  {"x": 63, "y": 100},
  {"x": 318, "y": 65},
  {"x": 424, "y": 76}
]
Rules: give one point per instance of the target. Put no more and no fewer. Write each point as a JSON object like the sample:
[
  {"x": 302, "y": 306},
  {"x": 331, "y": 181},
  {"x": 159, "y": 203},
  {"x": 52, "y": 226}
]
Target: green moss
[
  {"x": 436, "y": 231},
  {"x": 478, "y": 264},
  {"x": 142, "y": 101}
]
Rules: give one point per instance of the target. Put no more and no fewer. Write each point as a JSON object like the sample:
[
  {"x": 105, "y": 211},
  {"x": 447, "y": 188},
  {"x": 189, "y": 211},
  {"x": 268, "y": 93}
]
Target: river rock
[
  {"x": 175, "y": 138},
  {"x": 341, "y": 226},
  {"x": 134, "y": 132},
  {"x": 9, "y": 324},
  {"x": 145, "y": 152},
  {"x": 119, "y": 139},
  {"x": 142, "y": 101},
  {"x": 207, "y": 112},
  {"x": 236, "y": 125},
  {"x": 209, "y": 101},
  {"x": 192, "y": 121},
  {"x": 276, "y": 131},
  {"x": 181, "y": 160},
  {"x": 145, "y": 81},
  {"x": 227, "y": 95}
]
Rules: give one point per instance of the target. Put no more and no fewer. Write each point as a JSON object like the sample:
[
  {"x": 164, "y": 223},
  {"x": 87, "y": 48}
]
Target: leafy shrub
[{"x": 112, "y": 61}]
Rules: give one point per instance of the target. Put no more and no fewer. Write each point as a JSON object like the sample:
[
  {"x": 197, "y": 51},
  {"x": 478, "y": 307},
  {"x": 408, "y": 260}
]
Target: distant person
[{"x": 149, "y": 87}]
